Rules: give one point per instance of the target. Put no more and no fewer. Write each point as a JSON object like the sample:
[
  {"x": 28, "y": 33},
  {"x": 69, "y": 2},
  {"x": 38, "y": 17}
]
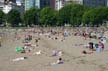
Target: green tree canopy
[
  {"x": 64, "y": 15},
  {"x": 47, "y": 17},
  {"x": 77, "y": 12},
  {"x": 13, "y": 17},
  {"x": 95, "y": 16},
  {"x": 31, "y": 17},
  {"x": 1, "y": 17}
]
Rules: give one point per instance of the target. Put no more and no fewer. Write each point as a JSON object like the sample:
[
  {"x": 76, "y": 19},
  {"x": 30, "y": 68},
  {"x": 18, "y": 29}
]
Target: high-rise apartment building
[
  {"x": 52, "y": 4},
  {"x": 44, "y": 3},
  {"x": 7, "y": 1},
  {"x": 95, "y": 3},
  {"x": 74, "y": 1},
  {"x": 59, "y": 4},
  {"x": 1, "y": 4},
  {"x": 78, "y": 1},
  {"x": 36, "y": 3},
  {"x": 29, "y": 4}
]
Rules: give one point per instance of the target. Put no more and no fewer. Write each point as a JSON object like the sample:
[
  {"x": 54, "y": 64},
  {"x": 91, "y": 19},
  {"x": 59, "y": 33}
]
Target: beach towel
[
  {"x": 19, "y": 49},
  {"x": 53, "y": 64}
]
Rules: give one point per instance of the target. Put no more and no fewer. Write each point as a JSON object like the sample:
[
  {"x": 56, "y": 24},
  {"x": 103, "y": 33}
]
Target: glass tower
[
  {"x": 36, "y": 3},
  {"x": 29, "y": 4}
]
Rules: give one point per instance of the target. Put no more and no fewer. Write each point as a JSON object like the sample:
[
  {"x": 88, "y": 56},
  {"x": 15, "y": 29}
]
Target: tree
[
  {"x": 47, "y": 17},
  {"x": 95, "y": 16},
  {"x": 87, "y": 18},
  {"x": 13, "y": 17},
  {"x": 77, "y": 12},
  {"x": 31, "y": 17},
  {"x": 105, "y": 13},
  {"x": 64, "y": 15},
  {"x": 2, "y": 17}
]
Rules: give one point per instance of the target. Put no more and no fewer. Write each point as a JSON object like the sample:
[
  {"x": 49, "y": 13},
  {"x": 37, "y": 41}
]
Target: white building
[
  {"x": 1, "y": 4},
  {"x": 75, "y": 1},
  {"x": 7, "y": 8},
  {"x": 59, "y": 4},
  {"x": 78, "y": 1}
]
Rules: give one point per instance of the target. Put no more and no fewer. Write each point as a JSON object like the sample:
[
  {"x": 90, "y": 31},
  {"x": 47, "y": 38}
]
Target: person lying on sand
[
  {"x": 59, "y": 61},
  {"x": 38, "y": 52},
  {"x": 85, "y": 52},
  {"x": 57, "y": 53},
  {"x": 19, "y": 59}
]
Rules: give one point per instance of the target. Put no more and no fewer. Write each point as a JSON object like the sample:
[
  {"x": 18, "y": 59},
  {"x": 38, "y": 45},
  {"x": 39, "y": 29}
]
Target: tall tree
[
  {"x": 64, "y": 15},
  {"x": 95, "y": 16},
  {"x": 48, "y": 17},
  {"x": 2, "y": 17},
  {"x": 77, "y": 12},
  {"x": 31, "y": 17},
  {"x": 13, "y": 17}
]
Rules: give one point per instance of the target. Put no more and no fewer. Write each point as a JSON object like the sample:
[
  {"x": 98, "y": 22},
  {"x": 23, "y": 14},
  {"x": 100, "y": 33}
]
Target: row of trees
[{"x": 72, "y": 14}]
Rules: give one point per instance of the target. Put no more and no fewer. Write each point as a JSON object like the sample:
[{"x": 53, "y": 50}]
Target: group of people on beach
[
  {"x": 98, "y": 47},
  {"x": 61, "y": 34},
  {"x": 89, "y": 33},
  {"x": 28, "y": 46}
]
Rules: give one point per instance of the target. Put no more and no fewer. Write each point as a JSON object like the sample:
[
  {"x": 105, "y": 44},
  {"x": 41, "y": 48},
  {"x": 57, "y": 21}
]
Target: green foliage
[
  {"x": 64, "y": 15},
  {"x": 96, "y": 16},
  {"x": 13, "y": 17},
  {"x": 47, "y": 17},
  {"x": 1, "y": 17},
  {"x": 72, "y": 14},
  {"x": 31, "y": 17},
  {"x": 77, "y": 12}
]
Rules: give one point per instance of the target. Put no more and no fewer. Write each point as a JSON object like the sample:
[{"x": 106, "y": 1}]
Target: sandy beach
[{"x": 73, "y": 58}]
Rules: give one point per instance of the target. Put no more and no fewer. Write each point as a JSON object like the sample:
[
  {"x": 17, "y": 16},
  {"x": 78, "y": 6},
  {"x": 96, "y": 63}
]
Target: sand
[{"x": 72, "y": 56}]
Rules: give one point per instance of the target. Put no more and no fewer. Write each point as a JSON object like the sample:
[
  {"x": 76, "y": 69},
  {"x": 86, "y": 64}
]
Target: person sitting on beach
[
  {"x": 27, "y": 44},
  {"x": 91, "y": 46},
  {"x": 98, "y": 49},
  {"x": 36, "y": 40},
  {"x": 65, "y": 34},
  {"x": 103, "y": 40},
  {"x": 101, "y": 45},
  {"x": 29, "y": 37}
]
